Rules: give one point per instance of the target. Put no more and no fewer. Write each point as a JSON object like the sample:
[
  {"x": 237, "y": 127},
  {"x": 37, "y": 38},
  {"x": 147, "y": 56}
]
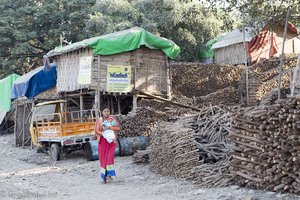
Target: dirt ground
[{"x": 25, "y": 174}]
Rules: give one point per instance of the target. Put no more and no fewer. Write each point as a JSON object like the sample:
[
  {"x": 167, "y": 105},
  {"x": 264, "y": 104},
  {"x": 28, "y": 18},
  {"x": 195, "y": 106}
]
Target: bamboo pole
[
  {"x": 98, "y": 83},
  {"x": 246, "y": 64},
  {"x": 282, "y": 52}
]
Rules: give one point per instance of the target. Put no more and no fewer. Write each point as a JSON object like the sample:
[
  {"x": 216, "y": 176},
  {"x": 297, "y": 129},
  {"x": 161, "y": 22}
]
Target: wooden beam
[
  {"x": 78, "y": 94},
  {"x": 74, "y": 101},
  {"x": 166, "y": 100}
]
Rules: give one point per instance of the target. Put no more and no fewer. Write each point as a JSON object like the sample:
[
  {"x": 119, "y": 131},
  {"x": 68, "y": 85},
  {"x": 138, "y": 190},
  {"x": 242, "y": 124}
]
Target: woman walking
[{"x": 106, "y": 128}]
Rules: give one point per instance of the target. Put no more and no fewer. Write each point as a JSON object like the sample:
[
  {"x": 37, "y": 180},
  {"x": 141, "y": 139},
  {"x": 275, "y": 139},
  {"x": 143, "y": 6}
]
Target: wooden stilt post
[
  {"x": 98, "y": 83},
  {"x": 81, "y": 105},
  {"x": 112, "y": 105},
  {"x": 134, "y": 103},
  {"x": 32, "y": 106},
  {"x": 23, "y": 128},
  {"x": 119, "y": 105},
  {"x": 16, "y": 122}
]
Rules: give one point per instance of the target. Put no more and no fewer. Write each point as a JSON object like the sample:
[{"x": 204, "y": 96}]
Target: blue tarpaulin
[{"x": 35, "y": 82}]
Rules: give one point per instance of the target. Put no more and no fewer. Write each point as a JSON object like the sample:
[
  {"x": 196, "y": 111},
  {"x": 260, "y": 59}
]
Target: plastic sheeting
[
  {"x": 262, "y": 46},
  {"x": 122, "y": 41},
  {"x": 207, "y": 52},
  {"x": 5, "y": 92},
  {"x": 35, "y": 82}
]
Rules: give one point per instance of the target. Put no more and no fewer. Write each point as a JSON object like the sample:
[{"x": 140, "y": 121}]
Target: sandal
[
  {"x": 109, "y": 179},
  {"x": 103, "y": 181}
]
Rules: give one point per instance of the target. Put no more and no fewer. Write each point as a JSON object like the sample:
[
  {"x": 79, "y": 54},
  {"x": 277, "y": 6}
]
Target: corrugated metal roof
[{"x": 233, "y": 37}]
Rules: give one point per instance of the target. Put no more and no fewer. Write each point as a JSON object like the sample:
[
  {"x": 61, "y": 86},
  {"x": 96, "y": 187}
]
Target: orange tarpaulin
[{"x": 262, "y": 46}]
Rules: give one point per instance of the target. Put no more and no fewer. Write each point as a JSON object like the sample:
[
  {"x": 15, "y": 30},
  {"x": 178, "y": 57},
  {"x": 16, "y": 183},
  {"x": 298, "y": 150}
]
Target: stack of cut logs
[
  {"x": 267, "y": 146},
  {"x": 140, "y": 124},
  {"x": 174, "y": 151},
  {"x": 227, "y": 96},
  {"x": 196, "y": 79},
  {"x": 263, "y": 78},
  {"x": 195, "y": 147}
]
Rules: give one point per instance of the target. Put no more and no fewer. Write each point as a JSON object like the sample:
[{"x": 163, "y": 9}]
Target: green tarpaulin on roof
[
  {"x": 122, "y": 41},
  {"x": 5, "y": 91},
  {"x": 208, "y": 52}
]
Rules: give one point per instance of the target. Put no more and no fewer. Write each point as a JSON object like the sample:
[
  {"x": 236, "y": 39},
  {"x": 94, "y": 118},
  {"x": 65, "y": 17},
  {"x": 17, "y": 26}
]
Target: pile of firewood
[
  {"x": 174, "y": 151},
  {"x": 227, "y": 96},
  {"x": 195, "y": 147},
  {"x": 263, "y": 78},
  {"x": 267, "y": 147},
  {"x": 211, "y": 134},
  {"x": 141, "y": 156},
  {"x": 196, "y": 79},
  {"x": 140, "y": 123},
  {"x": 169, "y": 109}
]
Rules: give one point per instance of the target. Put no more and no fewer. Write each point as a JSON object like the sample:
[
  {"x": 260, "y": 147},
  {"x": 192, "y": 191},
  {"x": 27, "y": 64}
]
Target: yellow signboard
[
  {"x": 85, "y": 64},
  {"x": 118, "y": 78}
]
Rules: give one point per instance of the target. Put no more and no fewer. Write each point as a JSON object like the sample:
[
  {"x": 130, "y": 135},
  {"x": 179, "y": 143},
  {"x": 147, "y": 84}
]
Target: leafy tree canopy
[
  {"x": 257, "y": 12},
  {"x": 187, "y": 24},
  {"x": 30, "y": 28}
]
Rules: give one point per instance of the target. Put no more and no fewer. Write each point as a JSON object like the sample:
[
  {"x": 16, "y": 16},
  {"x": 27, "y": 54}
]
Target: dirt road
[{"x": 25, "y": 174}]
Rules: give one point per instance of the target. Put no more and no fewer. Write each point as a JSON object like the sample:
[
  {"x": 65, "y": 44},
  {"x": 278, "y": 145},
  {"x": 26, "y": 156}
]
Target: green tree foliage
[
  {"x": 257, "y": 12},
  {"x": 187, "y": 24},
  {"x": 30, "y": 28}
]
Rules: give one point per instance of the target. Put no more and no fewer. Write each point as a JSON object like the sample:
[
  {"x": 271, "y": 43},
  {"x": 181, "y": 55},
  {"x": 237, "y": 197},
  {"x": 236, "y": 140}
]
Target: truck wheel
[{"x": 55, "y": 152}]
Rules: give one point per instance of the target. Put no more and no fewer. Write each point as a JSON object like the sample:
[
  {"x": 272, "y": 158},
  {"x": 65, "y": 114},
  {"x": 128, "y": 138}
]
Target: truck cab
[{"x": 53, "y": 126}]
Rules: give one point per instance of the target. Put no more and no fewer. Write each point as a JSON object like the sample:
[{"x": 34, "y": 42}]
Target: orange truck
[{"x": 52, "y": 126}]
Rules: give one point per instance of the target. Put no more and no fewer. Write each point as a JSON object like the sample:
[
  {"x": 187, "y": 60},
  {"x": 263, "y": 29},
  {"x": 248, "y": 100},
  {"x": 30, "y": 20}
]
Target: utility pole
[
  {"x": 246, "y": 61},
  {"x": 282, "y": 52}
]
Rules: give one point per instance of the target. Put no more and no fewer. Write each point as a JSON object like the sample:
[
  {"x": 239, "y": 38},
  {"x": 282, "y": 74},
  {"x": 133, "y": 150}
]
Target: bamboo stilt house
[{"x": 113, "y": 65}]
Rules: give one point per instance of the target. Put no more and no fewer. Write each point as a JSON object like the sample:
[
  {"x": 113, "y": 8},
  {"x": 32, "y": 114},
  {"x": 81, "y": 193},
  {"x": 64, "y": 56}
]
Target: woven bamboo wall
[
  {"x": 150, "y": 67},
  {"x": 68, "y": 70},
  {"x": 232, "y": 54}
]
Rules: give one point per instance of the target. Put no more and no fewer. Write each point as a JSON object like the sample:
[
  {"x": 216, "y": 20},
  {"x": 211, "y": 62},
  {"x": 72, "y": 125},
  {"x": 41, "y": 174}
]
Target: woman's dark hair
[{"x": 104, "y": 107}]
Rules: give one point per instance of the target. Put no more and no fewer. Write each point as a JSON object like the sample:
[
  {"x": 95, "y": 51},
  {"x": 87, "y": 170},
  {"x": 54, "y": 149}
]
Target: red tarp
[{"x": 262, "y": 46}]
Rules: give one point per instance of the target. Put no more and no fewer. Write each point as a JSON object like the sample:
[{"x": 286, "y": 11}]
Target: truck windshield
[{"x": 47, "y": 110}]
